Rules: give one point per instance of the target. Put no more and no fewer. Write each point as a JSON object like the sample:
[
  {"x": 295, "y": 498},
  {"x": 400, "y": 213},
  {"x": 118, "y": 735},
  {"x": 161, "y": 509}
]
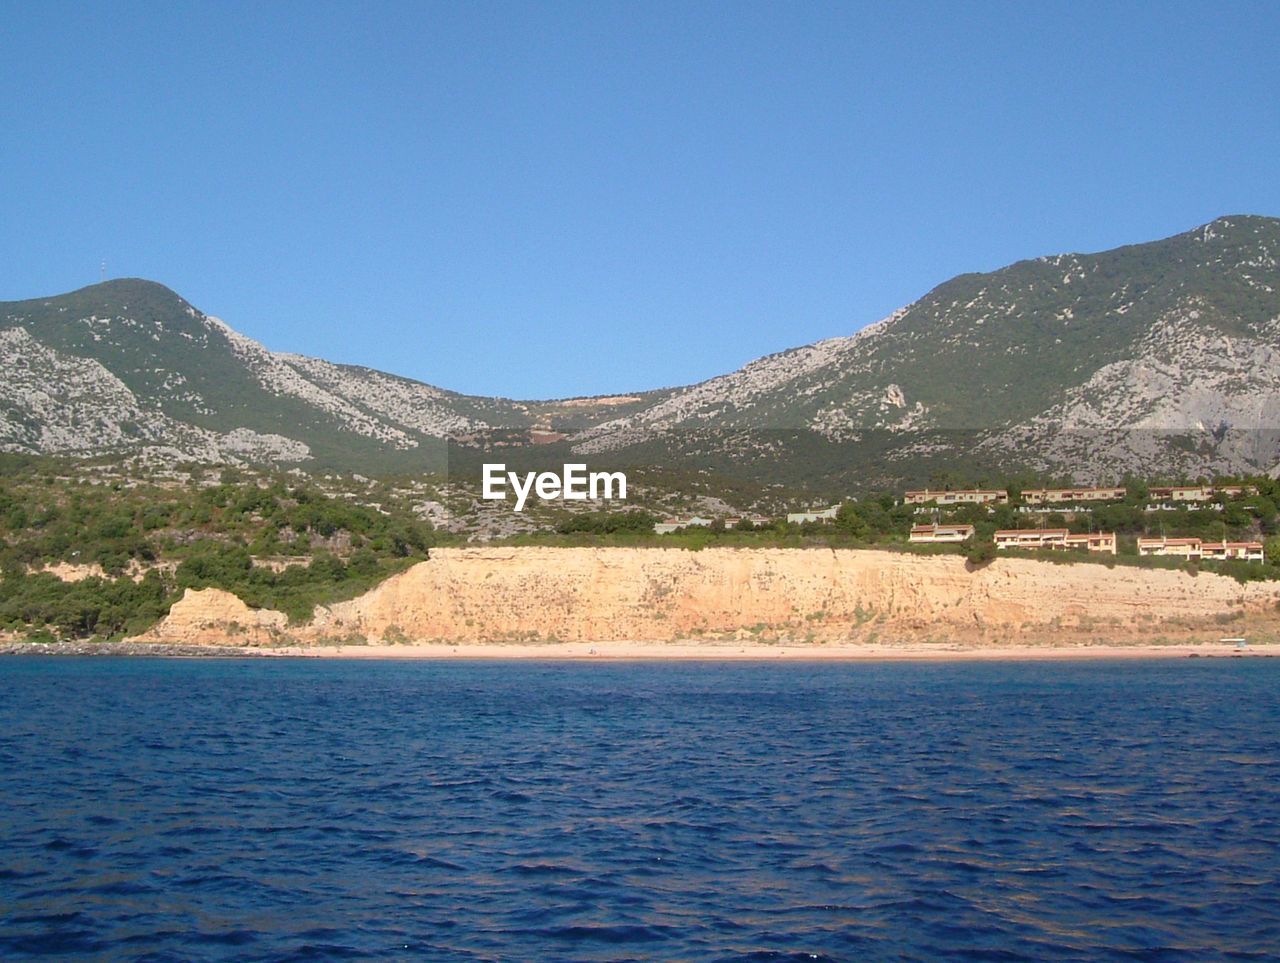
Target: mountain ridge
[{"x": 1171, "y": 343}]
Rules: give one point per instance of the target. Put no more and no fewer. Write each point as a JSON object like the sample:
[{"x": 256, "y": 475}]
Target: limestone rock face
[
  {"x": 214, "y": 617},
  {"x": 603, "y": 594},
  {"x": 525, "y": 594}
]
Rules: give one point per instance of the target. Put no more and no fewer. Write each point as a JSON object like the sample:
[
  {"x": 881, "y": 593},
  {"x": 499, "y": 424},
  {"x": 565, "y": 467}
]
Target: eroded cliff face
[
  {"x": 508, "y": 594},
  {"x": 215, "y": 617},
  {"x": 818, "y": 595}
]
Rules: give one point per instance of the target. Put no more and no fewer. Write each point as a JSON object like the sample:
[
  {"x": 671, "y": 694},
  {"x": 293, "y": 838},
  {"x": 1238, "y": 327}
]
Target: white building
[
  {"x": 1181, "y": 493},
  {"x": 1056, "y": 538},
  {"x": 1175, "y": 547},
  {"x": 968, "y": 496},
  {"x": 1032, "y": 538},
  {"x": 1194, "y": 548},
  {"x": 1054, "y": 496},
  {"x": 1242, "y": 551},
  {"x": 1093, "y": 542},
  {"x": 669, "y": 525},
  {"x": 824, "y": 515},
  {"x": 940, "y": 533}
]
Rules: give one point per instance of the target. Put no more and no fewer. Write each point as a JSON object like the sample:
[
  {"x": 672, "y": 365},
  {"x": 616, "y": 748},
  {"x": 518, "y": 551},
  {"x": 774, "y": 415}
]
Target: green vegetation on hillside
[
  {"x": 151, "y": 539},
  {"x": 134, "y": 541},
  {"x": 882, "y": 521}
]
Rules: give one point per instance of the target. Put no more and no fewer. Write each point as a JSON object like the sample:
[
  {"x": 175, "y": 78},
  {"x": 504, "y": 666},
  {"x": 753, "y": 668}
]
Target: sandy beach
[{"x": 677, "y": 651}]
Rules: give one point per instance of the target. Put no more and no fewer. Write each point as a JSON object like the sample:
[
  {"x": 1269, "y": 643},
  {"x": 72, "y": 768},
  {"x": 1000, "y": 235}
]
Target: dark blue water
[{"x": 175, "y": 810}]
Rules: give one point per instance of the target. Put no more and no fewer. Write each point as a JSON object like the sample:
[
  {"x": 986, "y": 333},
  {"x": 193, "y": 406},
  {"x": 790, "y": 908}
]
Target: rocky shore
[{"x": 128, "y": 647}]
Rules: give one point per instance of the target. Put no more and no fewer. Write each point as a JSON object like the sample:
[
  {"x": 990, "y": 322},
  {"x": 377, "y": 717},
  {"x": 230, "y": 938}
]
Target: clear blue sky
[{"x": 541, "y": 200}]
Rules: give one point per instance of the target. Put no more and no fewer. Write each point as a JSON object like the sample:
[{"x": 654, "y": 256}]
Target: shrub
[{"x": 980, "y": 553}]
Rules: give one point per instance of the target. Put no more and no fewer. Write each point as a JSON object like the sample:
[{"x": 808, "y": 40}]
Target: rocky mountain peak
[{"x": 1150, "y": 355}]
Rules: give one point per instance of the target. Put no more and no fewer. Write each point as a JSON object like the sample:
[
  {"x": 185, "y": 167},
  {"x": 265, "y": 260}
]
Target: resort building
[
  {"x": 1032, "y": 538},
  {"x": 1181, "y": 493},
  {"x": 733, "y": 521},
  {"x": 1242, "y": 551},
  {"x": 823, "y": 515},
  {"x": 1055, "y": 496},
  {"x": 1093, "y": 542},
  {"x": 1199, "y": 493},
  {"x": 940, "y": 533},
  {"x": 668, "y": 525},
  {"x": 1194, "y": 548},
  {"x": 1177, "y": 547},
  {"x": 1063, "y": 496},
  {"x": 1056, "y": 538},
  {"x": 1235, "y": 491},
  {"x": 970, "y": 496}
]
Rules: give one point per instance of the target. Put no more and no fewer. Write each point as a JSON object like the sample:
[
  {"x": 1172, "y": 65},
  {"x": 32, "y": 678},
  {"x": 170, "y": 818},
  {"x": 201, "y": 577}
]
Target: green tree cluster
[
  {"x": 606, "y": 523},
  {"x": 91, "y": 607}
]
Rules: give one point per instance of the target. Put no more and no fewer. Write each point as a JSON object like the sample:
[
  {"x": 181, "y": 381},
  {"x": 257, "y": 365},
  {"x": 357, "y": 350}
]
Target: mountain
[
  {"x": 1160, "y": 357},
  {"x": 129, "y": 366}
]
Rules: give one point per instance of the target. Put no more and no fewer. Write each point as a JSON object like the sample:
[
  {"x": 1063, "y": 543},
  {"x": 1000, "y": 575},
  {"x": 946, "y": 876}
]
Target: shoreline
[
  {"x": 714, "y": 652},
  {"x": 656, "y": 652}
]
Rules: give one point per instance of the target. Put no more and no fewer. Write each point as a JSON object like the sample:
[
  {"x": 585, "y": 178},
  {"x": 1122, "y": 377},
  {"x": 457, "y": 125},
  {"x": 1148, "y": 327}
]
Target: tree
[
  {"x": 1136, "y": 491},
  {"x": 215, "y": 564},
  {"x": 850, "y": 521},
  {"x": 327, "y": 567},
  {"x": 981, "y": 552},
  {"x": 1271, "y": 547}
]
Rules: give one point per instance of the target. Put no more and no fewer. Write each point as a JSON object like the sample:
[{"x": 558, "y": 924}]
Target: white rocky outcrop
[{"x": 56, "y": 403}]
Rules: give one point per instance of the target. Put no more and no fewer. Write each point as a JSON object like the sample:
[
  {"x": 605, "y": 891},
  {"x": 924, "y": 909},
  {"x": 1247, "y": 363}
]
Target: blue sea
[{"x": 310, "y": 810}]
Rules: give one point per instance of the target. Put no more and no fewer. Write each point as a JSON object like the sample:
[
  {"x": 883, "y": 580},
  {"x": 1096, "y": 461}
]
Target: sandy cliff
[
  {"x": 215, "y": 617},
  {"x": 660, "y": 595},
  {"x": 500, "y": 594}
]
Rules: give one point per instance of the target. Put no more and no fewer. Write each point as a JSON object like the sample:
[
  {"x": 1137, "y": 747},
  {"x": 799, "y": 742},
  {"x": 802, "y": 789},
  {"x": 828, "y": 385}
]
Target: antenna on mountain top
[{"x": 103, "y": 273}]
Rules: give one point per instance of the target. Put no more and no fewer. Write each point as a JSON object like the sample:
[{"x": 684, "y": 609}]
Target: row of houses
[
  {"x": 1061, "y": 538},
  {"x": 980, "y": 496},
  {"x": 1195, "y": 548},
  {"x": 1026, "y": 538},
  {"x": 1056, "y": 538},
  {"x": 1018, "y": 538},
  {"x": 1170, "y": 493},
  {"x": 1063, "y": 496},
  {"x": 699, "y": 521},
  {"x": 967, "y": 496},
  {"x": 1060, "y": 496}
]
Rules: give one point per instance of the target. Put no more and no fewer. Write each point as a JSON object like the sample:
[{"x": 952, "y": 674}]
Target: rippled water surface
[{"x": 305, "y": 809}]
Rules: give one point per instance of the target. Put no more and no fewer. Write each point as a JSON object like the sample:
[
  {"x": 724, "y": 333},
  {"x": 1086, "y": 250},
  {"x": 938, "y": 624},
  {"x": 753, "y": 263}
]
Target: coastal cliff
[
  {"x": 214, "y": 617},
  {"x": 528, "y": 594}
]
